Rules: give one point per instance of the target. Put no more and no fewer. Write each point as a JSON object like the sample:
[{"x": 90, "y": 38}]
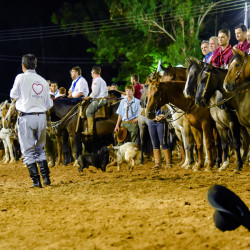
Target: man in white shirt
[
  {"x": 79, "y": 86},
  {"x": 33, "y": 100},
  {"x": 97, "y": 97}
]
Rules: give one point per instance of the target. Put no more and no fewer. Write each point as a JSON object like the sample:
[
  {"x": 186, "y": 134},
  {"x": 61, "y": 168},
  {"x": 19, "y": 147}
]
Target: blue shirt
[
  {"x": 128, "y": 111},
  {"x": 208, "y": 57}
]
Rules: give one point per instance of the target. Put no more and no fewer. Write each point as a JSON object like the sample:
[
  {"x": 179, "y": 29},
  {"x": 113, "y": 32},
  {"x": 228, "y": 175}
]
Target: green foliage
[{"x": 167, "y": 30}]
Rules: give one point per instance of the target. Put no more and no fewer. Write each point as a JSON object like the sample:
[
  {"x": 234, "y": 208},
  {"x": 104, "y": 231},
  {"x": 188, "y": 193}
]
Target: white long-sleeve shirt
[
  {"x": 81, "y": 86},
  {"x": 99, "y": 88},
  {"x": 32, "y": 93}
]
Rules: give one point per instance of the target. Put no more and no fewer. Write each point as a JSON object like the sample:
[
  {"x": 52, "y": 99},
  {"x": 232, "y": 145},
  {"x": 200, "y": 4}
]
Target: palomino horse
[
  {"x": 211, "y": 79},
  {"x": 238, "y": 71},
  {"x": 161, "y": 93},
  {"x": 225, "y": 118}
]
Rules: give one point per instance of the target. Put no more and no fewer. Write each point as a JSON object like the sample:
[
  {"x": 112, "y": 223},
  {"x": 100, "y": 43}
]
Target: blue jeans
[{"x": 158, "y": 134}]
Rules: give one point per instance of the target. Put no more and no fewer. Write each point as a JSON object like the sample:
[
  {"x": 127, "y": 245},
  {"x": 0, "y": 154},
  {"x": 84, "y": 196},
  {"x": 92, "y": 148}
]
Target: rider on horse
[{"x": 97, "y": 97}]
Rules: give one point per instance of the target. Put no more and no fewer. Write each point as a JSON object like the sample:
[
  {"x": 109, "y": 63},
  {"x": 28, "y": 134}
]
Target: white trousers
[{"x": 32, "y": 137}]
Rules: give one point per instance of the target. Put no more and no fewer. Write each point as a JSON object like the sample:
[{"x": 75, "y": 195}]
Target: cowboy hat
[
  {"x": 230, "y": 210},
  {"x": 121, "y": 134}
]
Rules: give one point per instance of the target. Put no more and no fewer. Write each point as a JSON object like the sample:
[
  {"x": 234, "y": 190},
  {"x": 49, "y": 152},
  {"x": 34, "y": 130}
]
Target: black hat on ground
[{"x": 230, "y": 210}]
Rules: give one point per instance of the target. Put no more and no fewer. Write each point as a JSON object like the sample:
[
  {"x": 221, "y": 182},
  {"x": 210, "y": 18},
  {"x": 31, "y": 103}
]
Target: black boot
[
  {"x": 34, "y": 175},
  {"x": 44, "y": 169}
]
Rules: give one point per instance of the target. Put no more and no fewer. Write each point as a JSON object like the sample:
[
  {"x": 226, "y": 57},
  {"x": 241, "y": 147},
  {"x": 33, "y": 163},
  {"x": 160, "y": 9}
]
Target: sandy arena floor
[{"x": 143, "y": 209}]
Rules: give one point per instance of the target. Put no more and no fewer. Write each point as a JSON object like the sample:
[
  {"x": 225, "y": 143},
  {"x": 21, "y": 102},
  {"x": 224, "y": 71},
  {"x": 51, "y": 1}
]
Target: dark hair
[
  {"x": 242, "y": 27},
  {"x": 114, "y": 84},
  {"x": 78, "y": 70},
  {"x": 29, "y": 61},
  {"x": 136, "y": 77},
  {"x": 129, "y": 86},
  {"x": 205, "y": 41},
  {"x": 225, "y": 31},
  {"x": 97, "y": 70}
]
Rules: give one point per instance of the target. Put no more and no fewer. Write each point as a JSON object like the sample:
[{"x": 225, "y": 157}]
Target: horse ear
[
  {"x": 188, "y": 61},
  {"x": 238, "y": 51},
  {"x": 170, "y": 66},
  {"x": 197, "y": 61},
  {"x": 164, "y": 68}
]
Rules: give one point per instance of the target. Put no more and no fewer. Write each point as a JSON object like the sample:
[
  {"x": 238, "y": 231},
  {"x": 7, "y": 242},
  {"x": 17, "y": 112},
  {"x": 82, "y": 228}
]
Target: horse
[
  {"x": 161, "y": 93},
  {"x": 225, "y": 118},
  {"x": 238, "y": 71},
  {"x": 211, "y": 79}
]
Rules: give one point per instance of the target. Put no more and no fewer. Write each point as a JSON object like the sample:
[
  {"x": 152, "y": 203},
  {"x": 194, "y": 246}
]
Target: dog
[
  {"x": 99, "y": 160},
  {"x": 128, "y": 152}
]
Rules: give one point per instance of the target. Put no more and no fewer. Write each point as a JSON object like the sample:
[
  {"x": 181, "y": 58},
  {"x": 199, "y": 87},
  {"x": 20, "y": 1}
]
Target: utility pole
[{"x": 246, "y": 20}]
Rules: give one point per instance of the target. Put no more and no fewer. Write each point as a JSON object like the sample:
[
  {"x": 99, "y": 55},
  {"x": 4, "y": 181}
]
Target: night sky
[
  {"x": 35, "y": 14},
  {"x": 28, "y": 14}
]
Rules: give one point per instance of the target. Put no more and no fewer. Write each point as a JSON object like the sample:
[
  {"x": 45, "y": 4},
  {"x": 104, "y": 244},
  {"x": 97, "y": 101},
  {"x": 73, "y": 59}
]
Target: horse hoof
[{"x": 208, "y": 169}]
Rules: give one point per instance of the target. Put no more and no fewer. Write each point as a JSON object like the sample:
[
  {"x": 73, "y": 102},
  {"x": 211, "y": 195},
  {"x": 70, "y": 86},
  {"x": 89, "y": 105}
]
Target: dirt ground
[{"x": 143, "y": 209}]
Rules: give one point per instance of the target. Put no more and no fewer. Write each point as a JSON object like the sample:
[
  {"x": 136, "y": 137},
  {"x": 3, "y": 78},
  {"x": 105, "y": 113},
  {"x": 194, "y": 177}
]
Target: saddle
[{"x": 102, "y": 113}]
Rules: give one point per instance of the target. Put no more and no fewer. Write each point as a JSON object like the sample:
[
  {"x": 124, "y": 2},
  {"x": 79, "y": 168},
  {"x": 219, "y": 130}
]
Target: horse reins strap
[{"x": 205, "y": 89}]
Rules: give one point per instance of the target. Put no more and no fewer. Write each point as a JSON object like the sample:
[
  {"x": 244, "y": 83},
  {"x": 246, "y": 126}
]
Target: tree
[{"x": 135, "y": 35}]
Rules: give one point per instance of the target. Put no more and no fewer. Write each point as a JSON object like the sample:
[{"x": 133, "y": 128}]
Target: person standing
[
  {"x": 33, "y": 100},
  {"x": 223, "y": 54},
  {"x": 97, "y": 97},
  {"x": 206, "y": 51},
  {"x": 241, "y": 37},
  {"x": 79, "y": 86},
  {"x": 137, "y": 86},
  {"x": 128, "y": 114}
]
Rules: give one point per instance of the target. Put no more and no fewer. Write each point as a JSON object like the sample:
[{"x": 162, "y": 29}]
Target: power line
[{"x": 92, "y": 27}]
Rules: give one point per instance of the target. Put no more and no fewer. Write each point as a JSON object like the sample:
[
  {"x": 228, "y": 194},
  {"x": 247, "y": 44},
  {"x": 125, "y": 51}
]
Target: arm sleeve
[
  {"x": 48, "y": 100},
  {"x": 119, "y": 110},
  {"x": 95, "y": 89},
  {"x": 85, "y": 88},
  {"x": 15, "y": 91}
]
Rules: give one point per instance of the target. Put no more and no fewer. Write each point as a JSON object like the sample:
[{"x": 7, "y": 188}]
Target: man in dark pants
[{"x": 33, "y": 100}]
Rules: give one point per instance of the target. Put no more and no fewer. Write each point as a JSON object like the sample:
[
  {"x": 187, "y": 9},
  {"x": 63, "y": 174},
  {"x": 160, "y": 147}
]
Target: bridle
[
  {"x": 241, "y": 69},
  {"x": 207, "y": 82}
]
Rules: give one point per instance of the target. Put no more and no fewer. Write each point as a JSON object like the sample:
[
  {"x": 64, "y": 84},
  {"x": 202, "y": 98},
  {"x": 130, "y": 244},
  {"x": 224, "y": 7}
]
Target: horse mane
[{"x": 67, "y": 101}]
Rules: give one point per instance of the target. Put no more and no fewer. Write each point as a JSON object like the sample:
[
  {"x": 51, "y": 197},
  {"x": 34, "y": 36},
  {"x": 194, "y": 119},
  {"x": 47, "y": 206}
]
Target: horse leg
[
  {"x": 142, "y": 128},
  {"x": 59, "y": 150},
  {"x": 10, "y": 147},
  {"x": 199, "y": 143},
  {"x": 234, "y": 126},
  {"x": 225, "y": 147},
  {"x": 217, "y": 140},
  {"x": 245, "y": 142},
  {"x": 188, "y": 145},
  {"x": 206, "y": 128},
  {"x": 6, "y": 151}
]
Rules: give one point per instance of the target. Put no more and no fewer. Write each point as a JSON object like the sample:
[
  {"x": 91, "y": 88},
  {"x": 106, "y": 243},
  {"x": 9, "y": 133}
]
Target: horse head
[
  {"x": 238, "y": 70},
  {"x": 11, "y": 115},
  {"x": 204, "y": 88},
  {"x": 194, "y": 68},
  {"x": 154, "y": 98}
]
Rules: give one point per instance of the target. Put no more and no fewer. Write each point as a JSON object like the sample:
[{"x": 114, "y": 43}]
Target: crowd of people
[{"x": 34, "y": 95}]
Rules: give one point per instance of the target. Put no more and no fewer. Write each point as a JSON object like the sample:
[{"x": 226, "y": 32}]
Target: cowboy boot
[
  {"x": 168, "y": 157},
  {"x": 90, "y": 129},
  {"x": 44, "y": 169},
  {"x": 34, "y": 175},
  {"x": 157, "y": 156}
]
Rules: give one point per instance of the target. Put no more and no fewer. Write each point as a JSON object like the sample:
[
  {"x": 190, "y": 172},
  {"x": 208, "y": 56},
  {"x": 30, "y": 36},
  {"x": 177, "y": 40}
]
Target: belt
[
  {"x": 33, "y": 113},
  {"x": 128, "y": 121}
]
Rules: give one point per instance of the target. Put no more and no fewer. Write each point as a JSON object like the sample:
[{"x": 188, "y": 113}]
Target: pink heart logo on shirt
[{"x": 38, "y": 88}]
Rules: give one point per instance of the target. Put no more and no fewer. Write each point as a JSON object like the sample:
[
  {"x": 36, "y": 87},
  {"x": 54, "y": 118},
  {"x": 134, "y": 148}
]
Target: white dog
[{"x": 128, "y": 152}]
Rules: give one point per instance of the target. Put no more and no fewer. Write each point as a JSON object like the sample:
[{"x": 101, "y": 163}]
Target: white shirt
[
  {"x": 99, "y": 88},
  {"x": 32, "y": 93},
  {"x": 81, "y": 86}
]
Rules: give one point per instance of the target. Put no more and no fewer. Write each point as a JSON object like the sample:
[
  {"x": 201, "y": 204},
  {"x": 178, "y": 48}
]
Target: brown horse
[
  {"x": 238, "y": 71},
  {"x": 161, "y": 93}
]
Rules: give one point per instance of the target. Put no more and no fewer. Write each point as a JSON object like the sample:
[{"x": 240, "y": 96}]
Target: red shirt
[
  {"x": 243, "y": 46},
  {"x": 221, "y": 58},
  {"x": 137, "y": 90}
]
